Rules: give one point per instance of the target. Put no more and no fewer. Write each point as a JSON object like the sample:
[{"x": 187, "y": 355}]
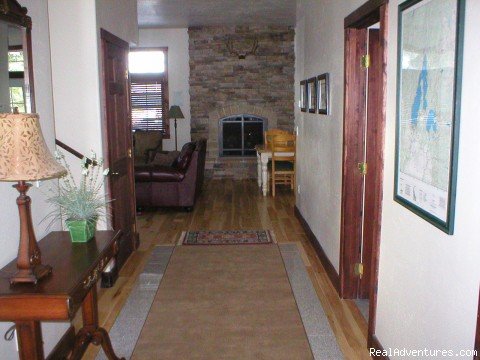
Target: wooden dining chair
[
  {"x": 282, "y": 166},
  {"x": 272, "y": 132}
]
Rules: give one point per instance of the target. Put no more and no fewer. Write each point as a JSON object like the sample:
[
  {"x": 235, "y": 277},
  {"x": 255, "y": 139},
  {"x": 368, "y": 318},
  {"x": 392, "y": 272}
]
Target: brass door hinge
[
  {"x": 129, "y": 153},
  {"x": 358, "y": 270},
  {"x": 365, "y": 62},
  {"x": 363, "y": 168},
  {"x": 126, "y": 74}
]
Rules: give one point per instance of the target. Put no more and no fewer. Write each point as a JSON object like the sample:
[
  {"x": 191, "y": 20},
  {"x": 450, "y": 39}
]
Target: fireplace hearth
[{"x": 239, "y": 134}]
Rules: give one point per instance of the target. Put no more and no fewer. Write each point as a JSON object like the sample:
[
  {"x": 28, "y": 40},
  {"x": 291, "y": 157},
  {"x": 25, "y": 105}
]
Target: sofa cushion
[
  {"x": 166, "y": 174},
  {"x": 144, "y": 141},
  {"x": 165, "y": 159},
  {"x": 183, "y": 160},
  {"x": 143, "y": 173}
]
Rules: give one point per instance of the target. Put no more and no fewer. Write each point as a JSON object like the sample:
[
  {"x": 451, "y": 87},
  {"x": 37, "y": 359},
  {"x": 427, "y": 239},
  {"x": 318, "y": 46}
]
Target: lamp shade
[
  {"x": 175, "y": 113},
  {"x": 24, "y": 155}
]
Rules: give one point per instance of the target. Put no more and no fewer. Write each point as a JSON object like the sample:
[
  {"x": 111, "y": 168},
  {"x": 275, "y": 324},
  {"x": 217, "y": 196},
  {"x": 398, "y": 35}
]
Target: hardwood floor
[{"x": 229, "y": 204}]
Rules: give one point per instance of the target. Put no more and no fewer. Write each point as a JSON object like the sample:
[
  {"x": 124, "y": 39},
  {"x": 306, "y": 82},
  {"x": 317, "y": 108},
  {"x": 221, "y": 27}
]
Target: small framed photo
[
  {"x": 312, "y": 95},
  {"x": 323, "y": 94},
  {"x": 303, "y": 95}
]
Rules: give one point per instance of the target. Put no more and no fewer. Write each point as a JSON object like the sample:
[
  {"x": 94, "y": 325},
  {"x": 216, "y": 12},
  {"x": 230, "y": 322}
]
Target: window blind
[{"x": 149, "y": 106}]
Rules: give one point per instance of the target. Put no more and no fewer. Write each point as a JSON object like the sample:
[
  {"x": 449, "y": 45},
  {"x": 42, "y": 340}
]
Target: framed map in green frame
[{"x": 430, "y": 48}]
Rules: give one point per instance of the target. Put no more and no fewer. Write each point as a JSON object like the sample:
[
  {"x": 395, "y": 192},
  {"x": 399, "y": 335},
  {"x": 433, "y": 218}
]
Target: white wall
[
  {"x": 319, "y": 42},
  {"x": 76, "y": 61},
  {"x": 428, "y": 281},
  {"x": 75, "y": 74},
  {"x": 118, "y": 17},
  {"x": 76, "y": 64},
  {"x": 37, "y": 9},
  {"x": 178, "y": 76}
]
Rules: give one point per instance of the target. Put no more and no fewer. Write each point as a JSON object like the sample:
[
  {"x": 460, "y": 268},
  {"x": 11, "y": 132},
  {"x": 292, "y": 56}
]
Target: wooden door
[
  {"x": 118, "y": 138},
  {"x": 373, "y": 150},
  {"x": 353, "y": 154},
  {"x": 364, "y": 136}
]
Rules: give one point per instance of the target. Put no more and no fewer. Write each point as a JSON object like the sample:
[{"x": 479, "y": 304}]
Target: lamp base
[
  {"x": 29, "y": 259},
  {"x": 31, "y": 276}
]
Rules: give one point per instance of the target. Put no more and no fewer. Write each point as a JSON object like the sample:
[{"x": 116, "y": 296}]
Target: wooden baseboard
[
  {"x": 374, "y": 343},
  {"x": 329, "y": 268}
]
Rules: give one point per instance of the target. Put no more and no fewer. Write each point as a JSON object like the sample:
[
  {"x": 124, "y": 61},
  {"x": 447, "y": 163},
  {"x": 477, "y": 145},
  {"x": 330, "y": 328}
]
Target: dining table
[{"x": 264, "y": 154}]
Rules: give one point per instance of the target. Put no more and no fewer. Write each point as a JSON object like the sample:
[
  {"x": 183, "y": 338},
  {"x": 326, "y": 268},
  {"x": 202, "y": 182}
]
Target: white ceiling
[{"x": 185, "y": 13}]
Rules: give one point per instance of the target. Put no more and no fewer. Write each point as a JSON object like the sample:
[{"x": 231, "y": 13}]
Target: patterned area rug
[{"x": 228, "y": 237}]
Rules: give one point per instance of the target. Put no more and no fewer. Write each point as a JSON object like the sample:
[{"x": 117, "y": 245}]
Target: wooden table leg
[
  {"x": 259, "y": 170},
  {"x": 89, "y": 308},
  {"x": 91, "y": 332},
  {"x": 30, "y": 343},
  {"x": 264, "y": 160}
]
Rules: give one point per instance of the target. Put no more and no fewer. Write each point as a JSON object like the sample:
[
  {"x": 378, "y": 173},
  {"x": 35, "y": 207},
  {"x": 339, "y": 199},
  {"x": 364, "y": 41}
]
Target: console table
[{"x": 71, "y": 286}]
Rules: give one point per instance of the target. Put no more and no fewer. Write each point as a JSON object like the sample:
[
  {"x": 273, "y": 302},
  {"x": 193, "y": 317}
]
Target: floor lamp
[
  {"x": 24, "y": 156},
  {"x": 175, "y": 113}
]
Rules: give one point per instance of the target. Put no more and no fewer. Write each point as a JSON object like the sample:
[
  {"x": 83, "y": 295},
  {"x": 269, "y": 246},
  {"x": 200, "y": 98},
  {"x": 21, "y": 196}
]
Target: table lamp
[
  {"x": 175, "y": 113},
  {"x": 24, "y": 156}
]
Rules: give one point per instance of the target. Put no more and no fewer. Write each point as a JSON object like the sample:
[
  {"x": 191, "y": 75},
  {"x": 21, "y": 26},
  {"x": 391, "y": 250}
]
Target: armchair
[{"x": 174, "y": 185}]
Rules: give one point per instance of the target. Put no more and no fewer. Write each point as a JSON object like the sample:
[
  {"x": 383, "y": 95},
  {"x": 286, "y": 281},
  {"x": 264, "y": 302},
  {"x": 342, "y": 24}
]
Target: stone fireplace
[
  {"x": 235, "y": 164},
  {"x": 239, "y": 134},
  {"x": 225, "y": 87}
]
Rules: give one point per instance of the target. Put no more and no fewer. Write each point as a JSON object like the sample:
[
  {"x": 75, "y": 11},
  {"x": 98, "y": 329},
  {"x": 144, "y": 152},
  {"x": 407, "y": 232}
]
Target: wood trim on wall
[
  {"x": 477, "y": 334},
  {"x": 365, "y": 15},
  {"x": 380, "y": 139},
  {"x": 328, "y": 266},
  {"x": 375, "y": 344}
]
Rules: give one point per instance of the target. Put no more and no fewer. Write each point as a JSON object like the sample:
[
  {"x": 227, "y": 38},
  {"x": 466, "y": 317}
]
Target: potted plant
[{"x": 81, "y": 204}]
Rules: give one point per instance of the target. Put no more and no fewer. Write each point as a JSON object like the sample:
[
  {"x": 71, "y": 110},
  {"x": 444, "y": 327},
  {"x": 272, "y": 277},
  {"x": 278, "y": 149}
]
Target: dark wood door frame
[
  {"x": 356, "y": 25},
  {"x": 477, "y": 334},
  {"x": 126, "y": 166}
]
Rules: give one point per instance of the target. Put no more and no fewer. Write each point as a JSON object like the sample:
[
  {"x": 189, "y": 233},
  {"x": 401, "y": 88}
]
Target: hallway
[{"x": 229, "y": 204}]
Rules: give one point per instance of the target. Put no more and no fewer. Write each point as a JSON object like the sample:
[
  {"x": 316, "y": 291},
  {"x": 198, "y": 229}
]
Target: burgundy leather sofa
[{"x": 177, "y": 185}]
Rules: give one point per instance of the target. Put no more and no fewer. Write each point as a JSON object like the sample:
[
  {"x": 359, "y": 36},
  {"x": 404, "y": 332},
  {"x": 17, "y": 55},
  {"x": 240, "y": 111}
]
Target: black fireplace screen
[{"x": 240, "y": 133}]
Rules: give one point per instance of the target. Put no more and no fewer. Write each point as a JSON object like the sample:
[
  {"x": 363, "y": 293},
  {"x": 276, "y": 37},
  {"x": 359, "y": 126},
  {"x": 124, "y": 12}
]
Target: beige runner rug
[{"x": 224, "y": 302}]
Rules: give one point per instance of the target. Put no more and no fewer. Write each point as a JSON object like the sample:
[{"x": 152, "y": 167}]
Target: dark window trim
[{"x": 164, "y": 78}]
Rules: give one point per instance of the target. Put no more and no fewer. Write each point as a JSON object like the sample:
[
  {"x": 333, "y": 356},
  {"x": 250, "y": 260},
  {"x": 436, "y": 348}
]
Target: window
[
  {"x": 16, "y": 68},
  {"x": 149, "y": 89},
  {"x": 15, "y": 61},
  {"x": 17, "y": 100}
]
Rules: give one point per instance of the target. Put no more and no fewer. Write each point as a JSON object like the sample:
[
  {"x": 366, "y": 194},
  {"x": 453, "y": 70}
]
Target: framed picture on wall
[
  {"x": 428, "y": 108},
  {"x": 312, "y": 95},
  {"x": 303, "y": 95},
  {"x": 323, "y": 94}
]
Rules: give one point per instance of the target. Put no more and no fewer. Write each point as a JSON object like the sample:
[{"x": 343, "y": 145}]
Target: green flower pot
[{"x": 81, "y": 231}]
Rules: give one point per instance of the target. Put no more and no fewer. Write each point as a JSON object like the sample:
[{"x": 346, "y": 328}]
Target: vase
[{"x": 81, "y": 231}]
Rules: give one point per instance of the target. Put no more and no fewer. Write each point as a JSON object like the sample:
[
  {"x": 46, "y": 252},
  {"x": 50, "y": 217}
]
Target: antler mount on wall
[{"x": 242, "y": 48}]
